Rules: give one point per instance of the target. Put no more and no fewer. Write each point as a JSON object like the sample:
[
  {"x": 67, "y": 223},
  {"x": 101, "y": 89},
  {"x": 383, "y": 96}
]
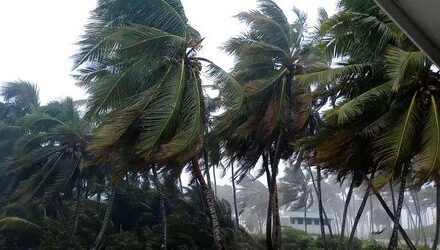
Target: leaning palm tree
[
  {"x": 138, "y": 62},
  {"x": 389, "y": 87},
  {"x": 50, "y": 157},
  {"x": 20, "y": 99},
  {"x": 274, "y": 110}
]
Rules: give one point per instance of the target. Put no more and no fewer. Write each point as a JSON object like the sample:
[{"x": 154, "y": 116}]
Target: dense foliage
[{"x": 353, "y": 102}]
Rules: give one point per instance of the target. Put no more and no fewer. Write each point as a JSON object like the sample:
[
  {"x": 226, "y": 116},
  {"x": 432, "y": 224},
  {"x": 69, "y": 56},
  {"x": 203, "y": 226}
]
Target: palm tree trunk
[
  {"x": 215, "y": 180},
  {"x": 437, "y": 217},
  {"x": 394, "y": 236},
  {"x": 419, "y": 213},
  {"x": 323, "y": 210},
  {"x": 106, "y": 218},
  {"x": 234, "y": 192},
  {"x": 162, "y": 208},
  {"x": 321, "y": 218},
  {"x": 358, "y": 216},
  {"x": 371, "y": 218},
  {"x": 344, "y": 215},
  {"x": 210, "y": 203},
  {"x": 180, "y": 184},
  {"x": 391, "y": 215},
  {"x": 411, "y": 219},
  {"x": 269, "y": 205},
  {"x": 71, "y": 243},
  {"x": 275, "y": 209},
  {"x": 276, "y": 216},
  {"x": 305, "y": 213},
  {"x": 393, "y": 198},
  {"x": 59, "y": 209},
  {"x": 337, "y": 220},
  {"x": 206, "y": 161}
]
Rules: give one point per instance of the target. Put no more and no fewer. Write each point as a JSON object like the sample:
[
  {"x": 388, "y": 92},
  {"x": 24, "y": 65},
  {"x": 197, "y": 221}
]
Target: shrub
[
  {"x": 332, "y": 243},
  {"x": 54, "y": 235},
  {"x": 296, "y": 239},
  {"x": 373, "y": 245},
  {"x": 124, "y": 240}
]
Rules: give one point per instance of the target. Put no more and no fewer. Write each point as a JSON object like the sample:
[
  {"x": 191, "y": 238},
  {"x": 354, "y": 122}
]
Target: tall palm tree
[
  {"x": 275, "y": 109},
  {"x": 398, "y": 105},
  {"x": 138, "y": 62}
]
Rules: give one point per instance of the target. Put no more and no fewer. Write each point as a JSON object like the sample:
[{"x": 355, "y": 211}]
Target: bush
[
  {"x": 373, "y": 245},
  {"x": 54, "y": 235},
  {"x": 296, "y": 239},
  {"x": 124, "y": 240},
  {"x": 332, "y": 243}
]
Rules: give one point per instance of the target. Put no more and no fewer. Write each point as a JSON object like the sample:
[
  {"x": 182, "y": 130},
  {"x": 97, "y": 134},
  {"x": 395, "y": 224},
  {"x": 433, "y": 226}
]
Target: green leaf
[
  {"x": 355, "y": 107},
  {"x": 400, "y": 65},
  {"x": 158, "y": 121},
  {"x": 395, "y": 147},
  {"x": 182, "y": 146},
  {"x": 427, "y": 163},
  {"x": 332, "y": 74},
  {"x": 232, "y": 94}
]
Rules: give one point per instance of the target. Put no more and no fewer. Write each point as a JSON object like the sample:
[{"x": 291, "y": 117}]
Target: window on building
[
  {"x": 309, "y": 221},
  {"x": 292, "y": 220},
  {"x": 316, "y": 221},
  {"x": 300, "y": 221},
  {"x": 326, "y": 222}
]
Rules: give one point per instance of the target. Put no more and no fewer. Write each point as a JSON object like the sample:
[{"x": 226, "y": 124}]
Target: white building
[{"x": 308, "y": 222}]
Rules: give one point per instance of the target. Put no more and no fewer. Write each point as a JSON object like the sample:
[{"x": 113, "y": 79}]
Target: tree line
[{"x": 352, "y": 100}]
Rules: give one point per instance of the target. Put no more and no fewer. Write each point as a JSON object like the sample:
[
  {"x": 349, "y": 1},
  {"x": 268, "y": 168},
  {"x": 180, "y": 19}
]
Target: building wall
[{"x": 313, "y": 226}]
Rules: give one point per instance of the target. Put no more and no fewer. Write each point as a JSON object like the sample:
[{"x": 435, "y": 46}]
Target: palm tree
[
  {"x": 252, "y": 199},
  {"x": 138, "y": 62},
  {"x": 106, "y": 220},
  {"x": 20, "y": 99},
  {"x": 50, "y": 158},
  {"x": 274, "y": 109},
  {"x": 397, "y": 106}
]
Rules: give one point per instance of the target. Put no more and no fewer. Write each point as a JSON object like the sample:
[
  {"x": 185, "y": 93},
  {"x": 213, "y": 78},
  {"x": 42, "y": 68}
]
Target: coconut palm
[
  {"x": 274, "y": 110},
  {"x": 50, "y": 158},
  {"x": 138, "y": 62},
  {"x": 398, "y": 105},
  {"x": 20, "y": 99}
]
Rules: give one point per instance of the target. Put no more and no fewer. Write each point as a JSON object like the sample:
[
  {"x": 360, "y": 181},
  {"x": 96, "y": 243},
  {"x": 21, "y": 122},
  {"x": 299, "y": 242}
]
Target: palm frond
[
  {"x": 18, "y": 224},
  {"x": 254, "y": 88},
  {"x": 28, "y": 188},
  {"x": 395, "y": 146},
  {"x": 331, "y": 74},
  {"x": 272, "y": 10},
  {"x": 269, "y": 30},
  {"x": 427, "y": 163},
  {"x": 119, "y": 122},
  {"x": 27, "y": 160},
  {"x": 355, "y": 107},
  {"x": 23, "y": 94},
  {"x": 189, "y": 129},
  {"x": 232, "y": 94},
  {"x": 403, "y": 64},
  {"x": 159, "y": 118}
]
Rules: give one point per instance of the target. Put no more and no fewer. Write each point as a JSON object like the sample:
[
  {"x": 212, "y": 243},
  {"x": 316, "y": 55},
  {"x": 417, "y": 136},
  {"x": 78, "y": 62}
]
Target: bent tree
[
  {"x": 274, "y": 109},
  {"x": 138, "y": 63}
]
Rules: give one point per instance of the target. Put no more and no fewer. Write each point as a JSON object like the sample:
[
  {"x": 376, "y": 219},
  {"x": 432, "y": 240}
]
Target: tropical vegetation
[{"x": 341, "y": 121}]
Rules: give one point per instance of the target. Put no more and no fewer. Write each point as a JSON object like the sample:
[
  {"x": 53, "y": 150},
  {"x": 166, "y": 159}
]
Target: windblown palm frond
[
  {"x": 357, "y": 106},
  {"x": 427, "y": 163},
  {"x": 402, "y": 65},
  {"x": 23, "y": 95}
]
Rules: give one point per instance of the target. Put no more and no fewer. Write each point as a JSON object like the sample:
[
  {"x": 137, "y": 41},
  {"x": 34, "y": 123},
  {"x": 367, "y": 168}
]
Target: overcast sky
[{"x": 38, "y": 37}]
